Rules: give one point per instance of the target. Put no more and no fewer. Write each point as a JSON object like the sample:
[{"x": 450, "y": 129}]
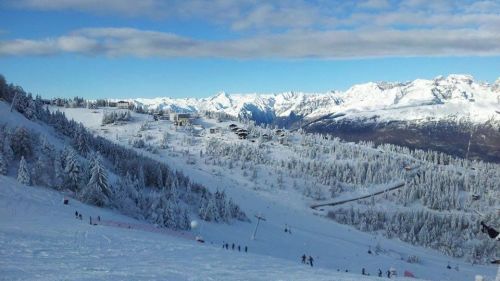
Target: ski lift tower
[{"x": 259, "y": 218}]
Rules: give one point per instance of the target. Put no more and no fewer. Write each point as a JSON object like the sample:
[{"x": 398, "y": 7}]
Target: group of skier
[
  {"x": 233, "y": 247},
  {"x": 79, "y": 216},
  {"x": 307, "y": 260}
]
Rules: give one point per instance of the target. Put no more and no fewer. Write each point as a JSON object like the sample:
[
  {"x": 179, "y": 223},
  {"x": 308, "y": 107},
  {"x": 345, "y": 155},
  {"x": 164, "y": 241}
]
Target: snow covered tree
[
  {"x": 21, "y": 142},
  {"x": 59, "y": 173},
  {"x": 3, "y": 165},
  {"x": 43, "y": 172},
  {"x": 23, "y": 173},
  {"x": 72, "y": 171},
  {"x": 81, "y": 140},
  {"x": 8, "y": 153},
  {"x": 97, "y": 191}
]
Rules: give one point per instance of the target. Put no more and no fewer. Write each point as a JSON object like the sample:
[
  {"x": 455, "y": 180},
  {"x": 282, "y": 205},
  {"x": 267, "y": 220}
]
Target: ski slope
[
  {"x": 333, "y": 246},
  {"x": 40, "y": 239}
]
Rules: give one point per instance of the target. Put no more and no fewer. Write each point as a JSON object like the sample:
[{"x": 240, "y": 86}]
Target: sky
[{"x": 197, "y": 48}]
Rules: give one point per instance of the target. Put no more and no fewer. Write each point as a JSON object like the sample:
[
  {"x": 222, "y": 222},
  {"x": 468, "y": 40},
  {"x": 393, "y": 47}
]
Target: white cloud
[
  {"x": 299, "y": 44},
  {"x": 281, "y": 29},
  {"x": 374, "y": 4}
]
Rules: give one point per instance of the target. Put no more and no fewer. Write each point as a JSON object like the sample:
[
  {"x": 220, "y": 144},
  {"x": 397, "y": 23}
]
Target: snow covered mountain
[
  {"x": 452, "y": 96},
  {"x": 422, "y": 114}
]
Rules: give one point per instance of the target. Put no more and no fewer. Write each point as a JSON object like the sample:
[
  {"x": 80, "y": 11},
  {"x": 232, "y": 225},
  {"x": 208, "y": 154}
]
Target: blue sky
[{"x": 196, "y": 48}]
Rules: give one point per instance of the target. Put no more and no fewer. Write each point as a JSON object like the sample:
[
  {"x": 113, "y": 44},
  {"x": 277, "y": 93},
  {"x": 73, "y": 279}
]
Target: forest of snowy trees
[
  {"x": 145, "y": 188},
  {"x": 434, "y": 209}
]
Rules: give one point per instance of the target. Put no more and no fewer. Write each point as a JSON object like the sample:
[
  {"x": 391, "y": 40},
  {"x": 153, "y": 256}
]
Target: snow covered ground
[
  {"x": 333, "y": 246},
  {"x": 40, "y": 239}
]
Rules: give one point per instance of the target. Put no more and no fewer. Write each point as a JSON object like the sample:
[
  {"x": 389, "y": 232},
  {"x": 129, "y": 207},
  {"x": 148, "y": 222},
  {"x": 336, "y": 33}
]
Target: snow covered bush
[{"x": 115, "y": 116}]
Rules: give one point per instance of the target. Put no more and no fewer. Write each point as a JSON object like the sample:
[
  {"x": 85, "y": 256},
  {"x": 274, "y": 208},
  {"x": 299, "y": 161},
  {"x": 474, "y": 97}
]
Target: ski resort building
[
  {"x": 180, "y": 119},
  {"x": 122, "y": 104}
]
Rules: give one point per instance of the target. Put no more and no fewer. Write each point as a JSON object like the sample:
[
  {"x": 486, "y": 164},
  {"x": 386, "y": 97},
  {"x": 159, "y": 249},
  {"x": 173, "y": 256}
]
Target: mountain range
[{"x": 453, "y": 114}]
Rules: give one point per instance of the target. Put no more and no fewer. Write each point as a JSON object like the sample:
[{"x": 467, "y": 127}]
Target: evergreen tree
[
  {"x": 59, "y": 173},
  {"x": 72, "y": 171},
  {"x": 81, "y": 140},
  {"x": 23, "y": 174},
  {"x": 97, "y": 191},
  {"x": 3, "y": 164},
  {"x": 21, "y": 142}
]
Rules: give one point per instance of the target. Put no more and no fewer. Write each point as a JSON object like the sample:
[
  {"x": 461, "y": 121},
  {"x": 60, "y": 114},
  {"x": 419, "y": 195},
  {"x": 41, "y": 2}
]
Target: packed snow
[{"x": 41, "y": 239}]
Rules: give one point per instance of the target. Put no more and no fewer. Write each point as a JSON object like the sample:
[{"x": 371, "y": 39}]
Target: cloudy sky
[{"x": 149, "y": 48}]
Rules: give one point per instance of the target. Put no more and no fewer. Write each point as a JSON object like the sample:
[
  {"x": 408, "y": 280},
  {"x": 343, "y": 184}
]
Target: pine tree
[
  {"x": 59, "y": 173},
  {"x": 21, "y": 142},
  {"x": 3, "y": 164},
  {"x": 23, "y": 174},
  {"x": 81, "y": 140},
  {"x": 97, "y": 191},
  {"x": 8, "y": 153},
  {"x": 72, "y": 171}
]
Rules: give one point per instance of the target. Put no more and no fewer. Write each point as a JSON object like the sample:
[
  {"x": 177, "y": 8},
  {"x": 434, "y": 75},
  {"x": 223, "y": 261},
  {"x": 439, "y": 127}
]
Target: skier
[
  {"x": 239, "y": 249},
  {"x": 232, "y": 246},
  {"x": 246, "y": 249},
  {"x": 448, "y": 266},
  {"x": 98, "y": 218},
  {"x": 311, "y": 261},
  {"x": 227, "y": 246},
  {"x": 90, "y": 220},
  {"x": 492, "y": 233},
  {"x": 379, "y": 273},
  {"x": 363, "y": 271},
  {"x": 76, "y": 214},
  {"x": 388, "y": 274},
  {"x": 304, "y": 258},
  {"x": 80, "y": 216}
]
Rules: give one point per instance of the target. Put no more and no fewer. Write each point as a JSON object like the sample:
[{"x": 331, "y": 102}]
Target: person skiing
[
  {"x": 246, "y": 249},
  {"x": 98, "y": 218},
  {"x": 492, "y": 233},
  {"x": 379, "y": 273},
  {"x": 76, "y": 214},
  {"x": 232, "y": 246},
  {"x": 304, "y": 258},
  {"x": 90, "y": 220},
  {"x": 311, "y": 261},
  {"x": 388, "y": 274},
  {"x": 363, "y": 271},
  {"x": 239, "y": 248},
  {"x": 80, "y": 216}
]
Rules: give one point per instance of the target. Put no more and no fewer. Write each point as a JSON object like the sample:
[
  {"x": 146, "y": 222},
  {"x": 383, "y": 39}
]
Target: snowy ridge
[{"x": 442, "y": 97}]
